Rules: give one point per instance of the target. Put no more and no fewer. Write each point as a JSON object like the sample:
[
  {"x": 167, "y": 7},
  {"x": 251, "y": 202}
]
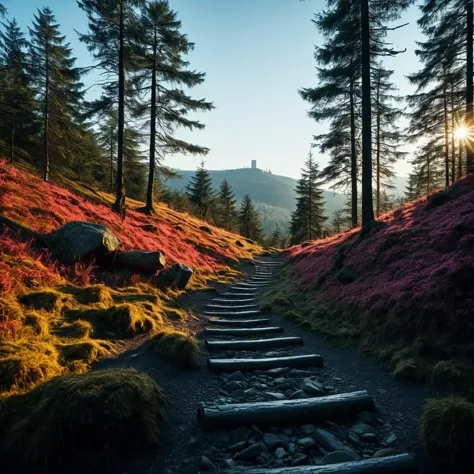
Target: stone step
[
  {"x": 233, "y": 307},
  {"x": 250, "y": 312},
  {"x": 239, "y": 294},
  {"x": 233, "y": 365},
  {"x": 397, "y": 464},
  {"x": 254, "y": 344},
  {"x": 243, "y": 323},
  {"x": 227, "y": 301},
  {"x": 239, "y": 332}
]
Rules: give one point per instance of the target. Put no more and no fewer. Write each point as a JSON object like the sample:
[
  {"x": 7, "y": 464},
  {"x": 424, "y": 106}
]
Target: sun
[{"x": 461, "y": 132}]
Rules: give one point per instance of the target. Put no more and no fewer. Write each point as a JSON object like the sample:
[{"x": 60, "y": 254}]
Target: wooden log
[
  {"x": 244, "y": 331},
  {"x": 282, "y": 412},
  {"x": 232, "y": 365},
  {"x": 231, "y": 314},
  {"x": 399, "y": 464},
  {"x": 242, "y": 323},
  {"x": 255, "y": 344},
  {"x": 141, "y": 261},
  {"x": 240, "y": 294}
]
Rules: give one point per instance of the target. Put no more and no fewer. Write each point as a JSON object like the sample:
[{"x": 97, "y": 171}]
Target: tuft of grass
[
  {"x": 123, "y": 320},
  {"x": 410, "y": 369},
  {"x": 38, "y": 323},
  {"x": 449, "y": 371},
  {"x": 292, "y": 316},
  {"x": 25, "y": 363},
  {"x": 176, "y": 346},
  {"x": 10, "y": 310},
  {"x": 90, "y": 294},
  {"x": 86, "y": 351},
  {"x": 113, "y": 409},
  {"x": 49, "y": 300},
  {"x": 447, "y": 431},
  {"x": 75, "y": 330}
]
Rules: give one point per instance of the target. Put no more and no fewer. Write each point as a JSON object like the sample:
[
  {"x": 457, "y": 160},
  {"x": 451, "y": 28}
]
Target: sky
[{"x": 256, "y": 55}]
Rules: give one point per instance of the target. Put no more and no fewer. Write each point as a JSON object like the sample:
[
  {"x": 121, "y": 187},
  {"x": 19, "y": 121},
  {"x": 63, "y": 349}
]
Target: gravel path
[{"x": 186, "y": 449}]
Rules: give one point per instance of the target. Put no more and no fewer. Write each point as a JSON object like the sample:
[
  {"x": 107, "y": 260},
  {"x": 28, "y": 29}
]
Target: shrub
[
  {"x": 87, "y": 351},
  {"x": 410, "y": 369},
  {"x": 440, "y": 198},
  {"x": 176, "y": 346},
  {"x": 346, "y": 275},
  {"x": 447, "y": 431},
  {"x": 48, "y": 300},
  {"x": 109, "y": 408},
  {"x": 449, "y": 371}
]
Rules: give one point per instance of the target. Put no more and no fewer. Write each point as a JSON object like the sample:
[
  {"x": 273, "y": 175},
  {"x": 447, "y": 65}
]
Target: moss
[
  {"x": 49, "y": 300},
  {"x": 86, "y": 351},
  {"x": 113, "y": 409},
  {"x": 176, "y": 346},
  {"x": 292, "y": 316},
  {"x": 447, "y": 431},
  {"x": 410, "y": 369},
  {"x": 90, "y": 294},
  {"x": 25, "y": 363},
  {"x": 76, "y": 330},
  {"x": 37, "y": 323}
]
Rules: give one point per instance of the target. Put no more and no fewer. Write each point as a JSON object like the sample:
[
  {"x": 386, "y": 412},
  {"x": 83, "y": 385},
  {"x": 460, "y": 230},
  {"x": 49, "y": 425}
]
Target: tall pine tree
[
  {"x": 249, "y": 220},
  {"x": 226, "y": 210},
  {"x": 200, "y": 192},
  {"x": 308, "y": 218}
]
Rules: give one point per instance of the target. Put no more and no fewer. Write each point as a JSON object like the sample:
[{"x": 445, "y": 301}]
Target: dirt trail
[{"x": 354, "y": 437}]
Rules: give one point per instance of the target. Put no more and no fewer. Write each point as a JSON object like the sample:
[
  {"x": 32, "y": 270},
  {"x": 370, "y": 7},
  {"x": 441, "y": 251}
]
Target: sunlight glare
[{"x": 461, "y": 132}]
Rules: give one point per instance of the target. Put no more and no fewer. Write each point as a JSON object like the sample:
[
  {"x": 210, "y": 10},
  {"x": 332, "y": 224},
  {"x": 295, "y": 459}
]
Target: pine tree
[
  {"x": 160, "y": 47},
  {"x": 249, "y": 220},
  {"x": 59, "y": 91},
  {"x": 226, "y": 210},
  {"x": 308, "y": 218},
  {"x": 276, "y": 238},
  {"x": 17, "y": 100},
  {"x": 412, "y": 187},
  {"x": 200, "y": 192},
  {"x": 338, "y": 221},
  {"x": 111, "y": 24},
  {"x": 106, "y": 135}
]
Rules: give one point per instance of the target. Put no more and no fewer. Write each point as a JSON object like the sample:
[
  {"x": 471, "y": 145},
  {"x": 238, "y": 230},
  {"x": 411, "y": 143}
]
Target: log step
[
  {"x": 244, "y": 331},
  {"x": 251, "y": 312},
  {"x": 239, "y": 294},
  {"x": 254, "y": 344},
  {"x": 241, "y": 323},
  {"x": 232, "y": 365},
  {"x": 399, "y": 464},
  {"x": 232, "y": 307},
  {"x": 282, "y": 412},
  {"x": 224, "y": 300}
]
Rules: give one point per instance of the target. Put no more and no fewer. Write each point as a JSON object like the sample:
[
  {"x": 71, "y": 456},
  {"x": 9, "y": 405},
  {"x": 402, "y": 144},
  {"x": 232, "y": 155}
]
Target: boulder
[
  {"x": 346, "y": 275},
  {"x": 81, "y": 241},
  {"x": 327, "y": 440},
  {"x": 337, "y": 457},
  {"x": 177, "y": 276},
  {"x": 140, "y": 261},
  {"x": 204, "y": 228},
  {"x": 239, "y": 243},
  {"x": 184, "y": 274}
]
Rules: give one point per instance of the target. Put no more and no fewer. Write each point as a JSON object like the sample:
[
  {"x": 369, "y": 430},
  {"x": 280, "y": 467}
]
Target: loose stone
[{"x": 206, "y": 464}]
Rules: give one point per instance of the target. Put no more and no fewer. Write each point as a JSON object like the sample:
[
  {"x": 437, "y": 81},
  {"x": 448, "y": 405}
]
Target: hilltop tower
[{"x": 254, "y": 164}]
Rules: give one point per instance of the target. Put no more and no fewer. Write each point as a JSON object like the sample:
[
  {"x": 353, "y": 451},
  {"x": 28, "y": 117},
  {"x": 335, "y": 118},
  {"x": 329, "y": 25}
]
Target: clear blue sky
[{"x": 256, "y": 54}]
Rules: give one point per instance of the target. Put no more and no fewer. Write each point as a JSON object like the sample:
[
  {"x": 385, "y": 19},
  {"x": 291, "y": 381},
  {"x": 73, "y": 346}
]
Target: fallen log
[
  {"x": 232, "y": 365},
  {"x": 219, "y": 307},
  {"x": 255, "y": 344},
  {"x": 243, "y": 323},
  {"x": 252, "y": 312},
  {"x": 244, "y": 331},
  {"x": 223, "y": 300},
  {"x": 281, "y": 412},
  {"x": 141, "y": 261},
  {"x": 399, "y": 464},
  {"x": 240, "y": 294}
]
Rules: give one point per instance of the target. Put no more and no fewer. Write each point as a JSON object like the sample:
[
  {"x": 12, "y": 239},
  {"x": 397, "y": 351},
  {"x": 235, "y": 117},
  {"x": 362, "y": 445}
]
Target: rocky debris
[
  {"x": 337, "y": 457},
  {"x": 206, "y": 229},
  {"x": 272, "y": 441},
  {"x": 381, "y": 453},
  {"x": 177, "y": 276},
  {"x": 141, "y": 261},
  {"x": 327, "y": 440},
  {"x": 206, "y": 464},
  {"x": 81, "y": 241},
  {"x": 362, "y": 428},
  {"x": 312, "y": 388},
  {"x": 251, "y": 453},
  {"x": 307, "y": 443}
]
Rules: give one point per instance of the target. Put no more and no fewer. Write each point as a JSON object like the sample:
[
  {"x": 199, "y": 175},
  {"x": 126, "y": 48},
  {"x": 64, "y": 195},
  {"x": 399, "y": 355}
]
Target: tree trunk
[
  {"x": 151, "y": 170},
  {"x": 119, "y": 205},
  {"x": 46, "y": 120},
  {"x": 367, "y": 196},
  {"x": 469, "y": 88},
  {"x": 354, "y": 210},
  {"x": 12, "y": 140},
  {"x": 453, "y": 138},
  {"x": 446, "y": 136},
  {"x": 378, "y": 144},
  {"x": 310, "y": 197},
  {"x": 428, "y": 190},
  {"x": 112, "y": 137},
  {"x": 460, "y": 158}
]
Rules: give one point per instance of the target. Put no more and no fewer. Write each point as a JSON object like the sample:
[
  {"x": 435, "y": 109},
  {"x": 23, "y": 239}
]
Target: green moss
[
  {"x": 49, "y": 300},
  {"x": 447, "y": 431},
  {"x": 113, "y": 409},
  {"x": 176, "y": 346},
  {"x": 86, "y": 351}
]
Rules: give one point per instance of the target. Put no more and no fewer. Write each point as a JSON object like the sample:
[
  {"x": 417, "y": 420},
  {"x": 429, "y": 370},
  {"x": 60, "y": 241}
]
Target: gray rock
[
  {"x": 206, "y": 464},
  {"x": 298, "y": 394},
  {"x": 277, "y": 372},
  {"x": 391, "y": 439},
  {"x": 307, "y": 443},
  {"x": 381, "y": 453},
  {"x": 251, "y": 392},
  {"x": 346, "y": 275},
  {"x": 362, "y": 428},
  {"x": 241, "y": 445},
  {"x": 354, "y": 437},
  {"x": 274, "y": 396},
  {"x": 312, "y": 388},
  {"x": 272, "y": 441},
  {"x": 237, "y": 394},
  {"x": 296, "y": 373},
  {"x": 241, "y": 434},
  {"x": 233, "y": 385},
  {"x": 236, "y": 377},
  {"x": 367, "y": 417},
  {"x": 299, "y": 460},
  {"x": 292, "y": 448},
  {"x": 221, "y": 437},
  {"x": 281, "y": 380},
  {"x": 337, "y": 457},
  {"x": 249, "y": 454},
  {"x": 280, "y": 453},
  {"x": 287, "y": 430},
  {"x": 369, "y": 438},
  {"x": 327, "y": 440},
  {"x": 229, "y": 463},
  {"x": 307, "y": 429}
]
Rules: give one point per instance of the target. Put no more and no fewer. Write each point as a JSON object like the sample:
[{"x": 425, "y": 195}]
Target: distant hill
[{"x": 264, "y": 188}]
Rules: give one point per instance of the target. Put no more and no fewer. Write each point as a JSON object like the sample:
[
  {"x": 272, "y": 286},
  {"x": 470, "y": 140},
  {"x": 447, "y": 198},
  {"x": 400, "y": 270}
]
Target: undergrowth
[{"x": 178, "y": 347}]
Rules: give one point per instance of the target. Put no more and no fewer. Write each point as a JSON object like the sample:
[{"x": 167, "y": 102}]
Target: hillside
[
  {"x": 57, "y": 320},
  {"x": 403, "y": 291},
  {"x": 263, "y": 187}
]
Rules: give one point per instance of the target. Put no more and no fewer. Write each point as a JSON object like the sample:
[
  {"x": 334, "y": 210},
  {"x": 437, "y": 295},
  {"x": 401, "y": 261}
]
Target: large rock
[
  {"x": 312, "y": 388},
  {"x": 327, "y": 440},
  {"x": 144, "y": 262},
  {"x": 177, "y": 276},
  {"x": 81, "y": 241}
]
